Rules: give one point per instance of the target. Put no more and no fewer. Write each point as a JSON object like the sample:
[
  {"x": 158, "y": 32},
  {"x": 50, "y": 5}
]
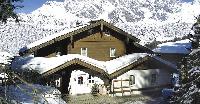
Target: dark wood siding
[
  {"x": 51, "y": 50},
  {"x": 98, "y": 42},
  {"x": 98, "y": 46},
  {"x": 172, "y": 57}
]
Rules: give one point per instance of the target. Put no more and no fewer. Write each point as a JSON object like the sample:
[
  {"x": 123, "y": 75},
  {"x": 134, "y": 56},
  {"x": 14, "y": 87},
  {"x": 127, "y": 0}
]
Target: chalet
[{"x": 98, "y": 53}]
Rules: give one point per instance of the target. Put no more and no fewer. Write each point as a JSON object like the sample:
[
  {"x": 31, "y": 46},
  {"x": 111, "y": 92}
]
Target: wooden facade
[
  {"x": 99, "y": 38},
  {"x": 98, "y": 46},
  {"x": 172, "y": 57}
]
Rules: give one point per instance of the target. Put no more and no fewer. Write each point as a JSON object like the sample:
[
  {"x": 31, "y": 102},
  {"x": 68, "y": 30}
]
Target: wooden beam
[
  {"x": 72, "y": 41},
  {"x": 127, "y": 40},
  {"x": 101, "y": 27}
]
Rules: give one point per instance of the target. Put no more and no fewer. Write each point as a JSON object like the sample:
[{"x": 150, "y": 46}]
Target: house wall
[
  {"x": 143, "y": 80},
  {"x": 98, "y": 46},
  {"x": 172, "y": 57},
  {"x": 75, "y": 88}
]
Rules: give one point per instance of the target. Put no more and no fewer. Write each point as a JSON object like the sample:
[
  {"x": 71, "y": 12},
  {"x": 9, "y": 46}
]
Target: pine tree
[
  {"x": 7, "y": 8},
  {"x": 189, "y": 92}
]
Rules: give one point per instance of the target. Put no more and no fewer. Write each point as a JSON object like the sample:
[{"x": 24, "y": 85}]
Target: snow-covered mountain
[{"x": 146, "y": 19}]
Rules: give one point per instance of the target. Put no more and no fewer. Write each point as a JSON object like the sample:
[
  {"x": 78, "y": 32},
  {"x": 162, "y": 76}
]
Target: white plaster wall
[
  {"x": 76, "y": 88},
  {"x": 143, "y": 78}
]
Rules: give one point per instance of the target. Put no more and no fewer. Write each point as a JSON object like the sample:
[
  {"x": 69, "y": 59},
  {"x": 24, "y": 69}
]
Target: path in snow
[{"x": 105, "y": 99}]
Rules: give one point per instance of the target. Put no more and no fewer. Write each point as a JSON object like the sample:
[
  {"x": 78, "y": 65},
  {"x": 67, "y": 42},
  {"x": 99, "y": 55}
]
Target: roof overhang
[{"x": 101, "y": 22}]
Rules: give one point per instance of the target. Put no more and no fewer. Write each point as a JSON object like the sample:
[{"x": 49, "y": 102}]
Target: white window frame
[
  {"x": 112, "y": 54},
  {"x": 80, "y": 80},
  {"x": 90, "y": 79},
  {"x": 83, "y": 51},
  {"x": 132, "y": 79}
]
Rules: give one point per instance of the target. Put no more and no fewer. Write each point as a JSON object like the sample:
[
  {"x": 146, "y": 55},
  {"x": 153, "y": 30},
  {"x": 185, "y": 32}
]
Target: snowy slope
[
  {"x": 5, "y": 58},
  {"x": 146, "y": 19},
  {"x": 23, "y": 94},
  {"x": 182, "y": 47}
]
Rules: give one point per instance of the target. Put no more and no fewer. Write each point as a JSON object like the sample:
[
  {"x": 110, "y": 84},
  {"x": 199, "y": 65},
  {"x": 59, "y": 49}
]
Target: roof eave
[{"x": 64, "y": 36}]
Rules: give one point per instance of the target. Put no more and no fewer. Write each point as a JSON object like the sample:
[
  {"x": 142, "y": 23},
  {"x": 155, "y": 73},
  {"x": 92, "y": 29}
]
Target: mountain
[{"x": 146, "y": 19}]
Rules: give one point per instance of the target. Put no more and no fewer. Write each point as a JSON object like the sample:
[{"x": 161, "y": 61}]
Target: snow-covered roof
[
  {"x": 69, "y": 32},
  {"x": 43, "y": 65},
  {"x": 48, "y": 38},
  {"x": 116, "y": 64},
  {"x": 182, "y": 47}
]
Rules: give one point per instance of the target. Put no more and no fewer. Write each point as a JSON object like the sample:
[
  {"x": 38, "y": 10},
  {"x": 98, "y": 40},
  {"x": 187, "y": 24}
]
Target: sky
[{"x": 31, "y": 5}]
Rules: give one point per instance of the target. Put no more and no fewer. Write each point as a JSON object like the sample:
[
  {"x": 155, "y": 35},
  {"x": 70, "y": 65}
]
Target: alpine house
[{"x": 97, "y": 53}]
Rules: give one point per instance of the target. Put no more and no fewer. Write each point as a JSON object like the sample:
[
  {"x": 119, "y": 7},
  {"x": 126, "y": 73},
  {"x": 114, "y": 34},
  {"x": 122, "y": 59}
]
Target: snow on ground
[
  {"x": 194, "y": 51},
  {"x": 3, "y": 75},
  {"x": 44, "y": 64},
  {"x": 182, "y": 46},
  {"x": 152, "y": 98},
  {"x": 24, "y": 94},
  {"x": 5, "y": 58}
]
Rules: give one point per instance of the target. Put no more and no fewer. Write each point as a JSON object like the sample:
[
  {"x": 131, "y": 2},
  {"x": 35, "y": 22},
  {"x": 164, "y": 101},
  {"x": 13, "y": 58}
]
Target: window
[
  {"x": 84, "y": 51},
  {"x": 90, "y": 79},
  {"x": 112, "y": 52},
  {"x": 132, "y": 79},
  {"x": 80, "y": 80},
  {"x": 153, "y": 78}
]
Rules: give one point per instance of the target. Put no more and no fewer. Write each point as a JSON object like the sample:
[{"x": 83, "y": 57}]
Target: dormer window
[
  {"x": 112, "y": 52},
  {"x": 84, "y": 51}
]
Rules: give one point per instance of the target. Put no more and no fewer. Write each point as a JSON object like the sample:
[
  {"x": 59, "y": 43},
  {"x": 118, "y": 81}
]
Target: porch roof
[
  {"x": 43, "y": 65},
  {"x": 47, "y": 66}
]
